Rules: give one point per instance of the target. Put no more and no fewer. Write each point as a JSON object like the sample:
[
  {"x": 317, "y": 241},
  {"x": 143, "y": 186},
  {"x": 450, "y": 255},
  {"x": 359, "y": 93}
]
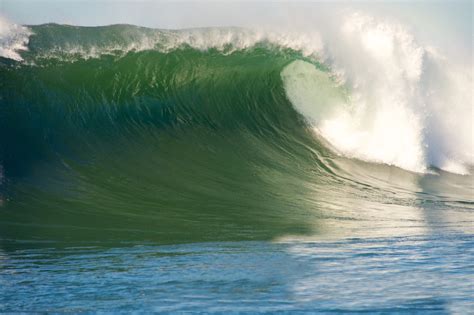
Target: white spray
[
  {"x": 408, "y": 105},
  {"x": 13, "y": 38}
]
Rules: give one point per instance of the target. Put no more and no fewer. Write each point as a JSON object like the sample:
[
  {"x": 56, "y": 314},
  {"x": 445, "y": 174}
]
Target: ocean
[{"x": 228, "y": 169}]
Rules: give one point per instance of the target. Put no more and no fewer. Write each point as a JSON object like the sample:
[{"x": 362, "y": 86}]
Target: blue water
[{"x": 432, "y": 274}]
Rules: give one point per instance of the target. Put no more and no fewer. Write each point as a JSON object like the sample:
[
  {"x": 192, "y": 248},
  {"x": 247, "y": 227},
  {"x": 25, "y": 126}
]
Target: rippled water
[{"x": 430, "y": 273}]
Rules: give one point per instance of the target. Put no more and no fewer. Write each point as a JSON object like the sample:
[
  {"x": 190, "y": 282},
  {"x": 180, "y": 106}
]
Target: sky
[{"x": 179, "y": 14}]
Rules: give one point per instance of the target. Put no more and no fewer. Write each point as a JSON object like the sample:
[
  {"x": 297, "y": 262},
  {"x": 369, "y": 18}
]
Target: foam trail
[{"x": 13, "y": 38}]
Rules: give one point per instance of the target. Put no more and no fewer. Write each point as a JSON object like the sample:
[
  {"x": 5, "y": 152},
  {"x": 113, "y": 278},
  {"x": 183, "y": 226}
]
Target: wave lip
[{"x": 72, "y": 43}]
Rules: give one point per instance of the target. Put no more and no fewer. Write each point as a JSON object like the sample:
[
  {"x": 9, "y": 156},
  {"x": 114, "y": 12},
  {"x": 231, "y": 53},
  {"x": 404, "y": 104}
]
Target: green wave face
[
  {"x": 185, "y": 145},
  {"x": 168, "y": 146}
]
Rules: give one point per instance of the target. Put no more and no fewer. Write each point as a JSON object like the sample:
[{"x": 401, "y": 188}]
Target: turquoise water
[
  {"x": 431, "y": 274},
  {"x": 144, "y": 171}
]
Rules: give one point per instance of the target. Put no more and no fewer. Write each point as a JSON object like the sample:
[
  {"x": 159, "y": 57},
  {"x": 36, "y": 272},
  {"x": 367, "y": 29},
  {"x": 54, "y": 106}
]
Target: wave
[
  {"x": 122, "y": 131},
  {"x": 373, "y": 94}
]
